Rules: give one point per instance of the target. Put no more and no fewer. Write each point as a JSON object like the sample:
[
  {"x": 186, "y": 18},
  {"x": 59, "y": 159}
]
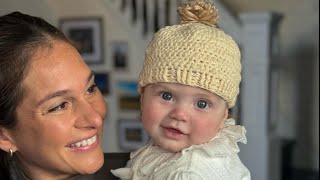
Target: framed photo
[
  {"x": 131, "y": 134},
  {"x": 119, "y": 55},
  {"x": 102, "y": 80},
  {"x": 86, "y": 34},
  {"x": 128, "y": 96}
]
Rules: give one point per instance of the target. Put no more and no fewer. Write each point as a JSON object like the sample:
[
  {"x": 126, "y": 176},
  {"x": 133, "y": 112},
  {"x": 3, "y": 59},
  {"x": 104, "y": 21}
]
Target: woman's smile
[{"x": 85, "y": 144}]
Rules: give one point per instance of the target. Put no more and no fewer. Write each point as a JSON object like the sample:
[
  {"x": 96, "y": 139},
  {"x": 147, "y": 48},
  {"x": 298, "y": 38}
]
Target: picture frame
[
  {"x": 128, "y": 96},
  {"x": 102, "y": 81},
  {"x": 132, "y": 135},
  {"x": 119, "y": 51},
  {"x": 86, "y": 34}
]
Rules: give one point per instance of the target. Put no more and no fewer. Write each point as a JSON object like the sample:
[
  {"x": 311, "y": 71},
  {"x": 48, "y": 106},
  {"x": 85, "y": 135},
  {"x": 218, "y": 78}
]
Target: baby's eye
[
  {"x": 202, "y": 104},
  {"x": 166, "y": 96},
  {"x": 92, "y": 89},
  {"x": 60, "y": 107}
]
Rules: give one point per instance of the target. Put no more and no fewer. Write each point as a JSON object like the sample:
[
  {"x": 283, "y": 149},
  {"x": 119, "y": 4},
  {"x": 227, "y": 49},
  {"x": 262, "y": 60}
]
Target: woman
[{"x": 51, "y": 112}]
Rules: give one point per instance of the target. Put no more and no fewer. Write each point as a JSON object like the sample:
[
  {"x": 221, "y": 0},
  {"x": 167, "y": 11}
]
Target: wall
[
  {"x": 299, "y": 32},
  {"x": 7, "y": 6},
  {"x": 315, "y": 125},
  {"x": 113, "y": 30}
]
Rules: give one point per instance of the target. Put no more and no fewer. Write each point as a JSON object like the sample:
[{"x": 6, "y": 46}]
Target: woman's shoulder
[{"x": 112, "y": 161}]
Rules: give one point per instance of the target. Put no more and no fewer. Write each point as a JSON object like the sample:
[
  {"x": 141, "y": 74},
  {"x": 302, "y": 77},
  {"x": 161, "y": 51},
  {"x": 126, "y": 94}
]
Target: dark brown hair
[{"x": 20, "y": 36}]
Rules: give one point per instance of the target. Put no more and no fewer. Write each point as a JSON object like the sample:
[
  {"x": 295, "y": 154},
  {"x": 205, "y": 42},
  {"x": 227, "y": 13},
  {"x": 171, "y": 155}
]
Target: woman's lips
[{"x": 84, "y": 143}]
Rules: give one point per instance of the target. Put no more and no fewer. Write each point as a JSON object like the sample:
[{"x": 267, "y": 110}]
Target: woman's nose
[{"x": 89, "y": 115}]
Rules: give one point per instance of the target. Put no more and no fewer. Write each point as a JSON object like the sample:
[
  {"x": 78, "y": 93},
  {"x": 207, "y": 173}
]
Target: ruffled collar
[
  {"x": 150, "y": 158},
  {"x": 223, "y": 144}
]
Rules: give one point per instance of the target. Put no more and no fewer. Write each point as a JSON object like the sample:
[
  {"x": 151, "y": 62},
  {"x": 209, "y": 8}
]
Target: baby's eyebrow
[{"x": 156, "y": 85}]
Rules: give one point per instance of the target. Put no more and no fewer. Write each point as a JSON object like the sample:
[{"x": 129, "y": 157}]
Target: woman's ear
[{"x": 6, "y": 142}]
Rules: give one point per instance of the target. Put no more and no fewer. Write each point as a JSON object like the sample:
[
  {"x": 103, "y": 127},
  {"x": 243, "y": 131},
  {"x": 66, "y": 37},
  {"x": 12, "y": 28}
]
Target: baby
[{"x": 189, "y": 81}]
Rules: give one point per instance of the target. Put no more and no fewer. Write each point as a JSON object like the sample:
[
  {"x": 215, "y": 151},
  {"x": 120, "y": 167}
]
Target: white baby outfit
[{"x": 216, "y": 160}]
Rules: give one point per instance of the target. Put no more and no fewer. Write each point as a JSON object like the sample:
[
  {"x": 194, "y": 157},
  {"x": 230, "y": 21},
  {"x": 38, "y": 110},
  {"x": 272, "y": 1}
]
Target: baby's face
[{"x": 177, "y": 116}]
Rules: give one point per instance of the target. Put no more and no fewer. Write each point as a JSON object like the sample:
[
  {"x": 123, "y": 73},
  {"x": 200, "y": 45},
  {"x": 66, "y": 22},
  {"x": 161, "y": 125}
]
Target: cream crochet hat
[{"x": 195, "y": 53}]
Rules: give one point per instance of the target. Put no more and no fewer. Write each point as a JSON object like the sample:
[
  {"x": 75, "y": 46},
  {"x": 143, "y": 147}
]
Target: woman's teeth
[{"x": 86, "y": 142}]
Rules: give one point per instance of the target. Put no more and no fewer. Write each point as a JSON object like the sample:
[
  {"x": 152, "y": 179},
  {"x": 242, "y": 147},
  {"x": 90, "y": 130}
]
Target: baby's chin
[{"x": 173, "y": 147}]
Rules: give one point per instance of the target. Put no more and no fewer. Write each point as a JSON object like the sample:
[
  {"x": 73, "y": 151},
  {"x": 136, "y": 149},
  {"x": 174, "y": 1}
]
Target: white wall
[
  {"x": 298, "y": 31},
  {"x": 28, "y": 6}
]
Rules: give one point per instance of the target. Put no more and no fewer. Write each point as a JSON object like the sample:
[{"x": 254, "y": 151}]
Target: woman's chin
[{"x": 92, "y": 166}]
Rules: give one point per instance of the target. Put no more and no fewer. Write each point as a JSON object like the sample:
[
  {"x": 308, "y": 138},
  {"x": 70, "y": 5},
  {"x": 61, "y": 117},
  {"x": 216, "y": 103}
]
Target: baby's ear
[
  {"x": 226, "y": 114},
  {"x": 141, "y": 100},
  {"x": 225, "y": 117},
  {"x": 6, "y": 142}
]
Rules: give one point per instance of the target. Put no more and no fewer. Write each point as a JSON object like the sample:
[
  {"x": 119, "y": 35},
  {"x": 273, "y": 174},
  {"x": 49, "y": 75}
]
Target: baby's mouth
[
  {"x": 85, "y": 142},
  {"x": 174, "y": 130}
]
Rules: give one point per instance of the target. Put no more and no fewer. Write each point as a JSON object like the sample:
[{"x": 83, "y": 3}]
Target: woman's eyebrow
[
  {"x": 52, "y": 95},
  {"x": 91, "y": 75},
  {"x": 61, "y": 92}
]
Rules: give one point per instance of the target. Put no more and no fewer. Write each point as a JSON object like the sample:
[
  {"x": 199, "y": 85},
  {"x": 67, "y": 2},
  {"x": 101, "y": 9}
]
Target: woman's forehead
[{"x": 59, "y": 67}]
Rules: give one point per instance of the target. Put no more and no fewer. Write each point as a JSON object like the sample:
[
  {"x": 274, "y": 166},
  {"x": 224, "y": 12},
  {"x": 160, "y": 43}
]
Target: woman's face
[{"x": 61, "y": 116}]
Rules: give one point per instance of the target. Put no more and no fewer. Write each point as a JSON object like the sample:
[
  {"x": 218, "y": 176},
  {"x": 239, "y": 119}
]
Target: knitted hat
[{"x": 195, "y": 53}]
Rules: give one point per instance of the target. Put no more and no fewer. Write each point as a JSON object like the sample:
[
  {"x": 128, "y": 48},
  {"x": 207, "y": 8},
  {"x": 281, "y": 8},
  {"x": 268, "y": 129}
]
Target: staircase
[{"x": 146, "y": 17}]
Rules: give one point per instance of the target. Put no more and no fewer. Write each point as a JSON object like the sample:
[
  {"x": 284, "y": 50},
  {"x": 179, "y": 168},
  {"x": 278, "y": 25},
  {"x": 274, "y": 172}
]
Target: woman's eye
[
  {"x": 166, "y": 96},
  {"x": 202, "y": 104},
  {"x": 92, "y": 89},
  {"x": 59, "y": 107}
]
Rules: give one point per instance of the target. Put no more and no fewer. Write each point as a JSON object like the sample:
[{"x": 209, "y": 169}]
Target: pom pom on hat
[
  {"x": 194, "y": 53},
  {"x": 198, "y": 11}
]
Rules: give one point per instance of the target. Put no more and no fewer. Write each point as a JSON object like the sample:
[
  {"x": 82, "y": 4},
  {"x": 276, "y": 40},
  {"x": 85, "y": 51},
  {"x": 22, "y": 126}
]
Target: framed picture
[
  {"x": 119, "y": 55},
  {"x": 131, "y": 134},
  {"x": 86, "y": 34},
  {"x": 102, "y": 80},
  {"x": 128, "y": 96}
]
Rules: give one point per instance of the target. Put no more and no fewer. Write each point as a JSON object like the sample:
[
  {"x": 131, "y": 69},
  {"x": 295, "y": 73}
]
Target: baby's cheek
[
  {"x": 150, "y": 113},
  {"x": 147, "y": 119},
  {"x": 205, "y": 132}
]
